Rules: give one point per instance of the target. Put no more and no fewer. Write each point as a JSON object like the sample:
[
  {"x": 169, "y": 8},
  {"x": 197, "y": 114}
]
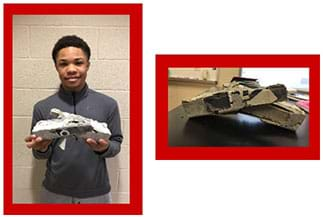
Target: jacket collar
[{"x": 69, "y": 96}]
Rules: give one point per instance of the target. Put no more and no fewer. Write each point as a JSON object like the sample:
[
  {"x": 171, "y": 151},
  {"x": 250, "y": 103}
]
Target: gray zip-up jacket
[{"x": 77, "y": 170}]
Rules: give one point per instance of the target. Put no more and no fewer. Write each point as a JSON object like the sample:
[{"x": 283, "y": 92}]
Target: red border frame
[
  {"x": 166, "y": 152},
  {"x": 135, "y": 12}
]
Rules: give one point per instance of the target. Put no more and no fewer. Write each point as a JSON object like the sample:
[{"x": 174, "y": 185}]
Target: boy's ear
[{"x": 55, "y": 64}]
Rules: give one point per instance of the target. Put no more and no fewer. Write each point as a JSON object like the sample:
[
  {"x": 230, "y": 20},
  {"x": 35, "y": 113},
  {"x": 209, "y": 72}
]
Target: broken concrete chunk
[
  {"x": 66, "y": 124},
  {"x": 282, "y": 114},
  {"x": 247, "y": 96}
]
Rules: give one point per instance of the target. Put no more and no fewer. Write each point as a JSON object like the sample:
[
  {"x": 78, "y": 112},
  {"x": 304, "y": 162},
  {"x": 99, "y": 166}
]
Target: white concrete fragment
[{"x": 66, "y": 124}]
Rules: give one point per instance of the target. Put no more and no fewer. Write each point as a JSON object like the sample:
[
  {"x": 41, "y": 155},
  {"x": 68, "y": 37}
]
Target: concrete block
[
  {"x": 43, "y": 39},
  {"x": 21, "y": 128},
  {"x": 124, "y": 157},
  {"x": 118, "y": 197},
  {"x": 26, "y": 195},
  {"x": 123, "y": 182},
  {"x": 121, "y": 161},
  {"x": 126, "y": 132},
  {"x": 113, "y": 176},
  {"x": 114, "y": 43},
  {"x": 20, "y": 41},
  {"x": 24, "y": 100},
  {"x": 112, "y": 74},
  {"x": 123, "y": 100},
  {"x": 72, "y": 20},
  {"x": 28, "y": 177},
  {"x": 28, "y": 73},
  {"x": 22, "y": 156}
]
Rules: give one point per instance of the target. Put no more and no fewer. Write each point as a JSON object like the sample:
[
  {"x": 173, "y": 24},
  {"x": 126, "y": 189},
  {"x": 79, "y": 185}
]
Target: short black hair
[{"x": 71, "y": 41}]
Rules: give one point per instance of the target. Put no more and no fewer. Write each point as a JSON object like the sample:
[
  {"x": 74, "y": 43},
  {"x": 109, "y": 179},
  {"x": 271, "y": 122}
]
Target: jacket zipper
[{"x": 74, "y": 105}]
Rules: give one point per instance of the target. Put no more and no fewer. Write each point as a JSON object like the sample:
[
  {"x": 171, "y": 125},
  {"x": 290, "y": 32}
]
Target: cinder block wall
[{"x": 35, "y": 78}]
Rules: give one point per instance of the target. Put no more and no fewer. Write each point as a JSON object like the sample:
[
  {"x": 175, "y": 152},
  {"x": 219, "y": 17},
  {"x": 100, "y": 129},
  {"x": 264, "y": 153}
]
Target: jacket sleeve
[
  {"x": 116, "y": 137},
  {"x": 37, "y": 116}
]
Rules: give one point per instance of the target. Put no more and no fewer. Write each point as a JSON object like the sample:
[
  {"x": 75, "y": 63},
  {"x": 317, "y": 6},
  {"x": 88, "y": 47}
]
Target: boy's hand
[
  {"x": 98, "y": 146},
  {"x": 37, "y": 143}
]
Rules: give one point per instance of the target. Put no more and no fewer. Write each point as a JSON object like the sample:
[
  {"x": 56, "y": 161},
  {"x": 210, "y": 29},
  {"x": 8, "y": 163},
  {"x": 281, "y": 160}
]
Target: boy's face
[{"x": 72, "y": 66}]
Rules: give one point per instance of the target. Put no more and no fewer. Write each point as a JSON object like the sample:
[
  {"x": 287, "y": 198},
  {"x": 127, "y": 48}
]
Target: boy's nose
[{"x": 71, "y": 69}]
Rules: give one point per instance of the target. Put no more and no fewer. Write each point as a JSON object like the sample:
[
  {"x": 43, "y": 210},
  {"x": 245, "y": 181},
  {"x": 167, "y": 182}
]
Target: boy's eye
[
  {"x": 79, "y": 63},
  {"x": 62, "y": 64}
]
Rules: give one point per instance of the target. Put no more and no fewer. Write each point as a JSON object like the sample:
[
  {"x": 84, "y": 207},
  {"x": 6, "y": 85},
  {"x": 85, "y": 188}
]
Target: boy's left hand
[{"x": 99, "y": 146}]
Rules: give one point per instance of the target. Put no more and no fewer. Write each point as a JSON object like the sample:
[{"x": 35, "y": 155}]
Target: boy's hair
[{"x": 71, "y": 41}]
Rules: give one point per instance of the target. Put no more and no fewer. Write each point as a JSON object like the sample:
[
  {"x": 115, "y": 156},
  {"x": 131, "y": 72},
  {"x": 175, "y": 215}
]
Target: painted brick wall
[{"x": 35, "y": 78}]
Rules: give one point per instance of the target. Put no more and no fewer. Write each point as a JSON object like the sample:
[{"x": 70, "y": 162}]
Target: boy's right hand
[{"x": 37, "y": 143}]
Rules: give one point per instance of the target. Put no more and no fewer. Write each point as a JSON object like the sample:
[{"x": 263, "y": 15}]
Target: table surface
[{"x": 230, "y": 130}]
